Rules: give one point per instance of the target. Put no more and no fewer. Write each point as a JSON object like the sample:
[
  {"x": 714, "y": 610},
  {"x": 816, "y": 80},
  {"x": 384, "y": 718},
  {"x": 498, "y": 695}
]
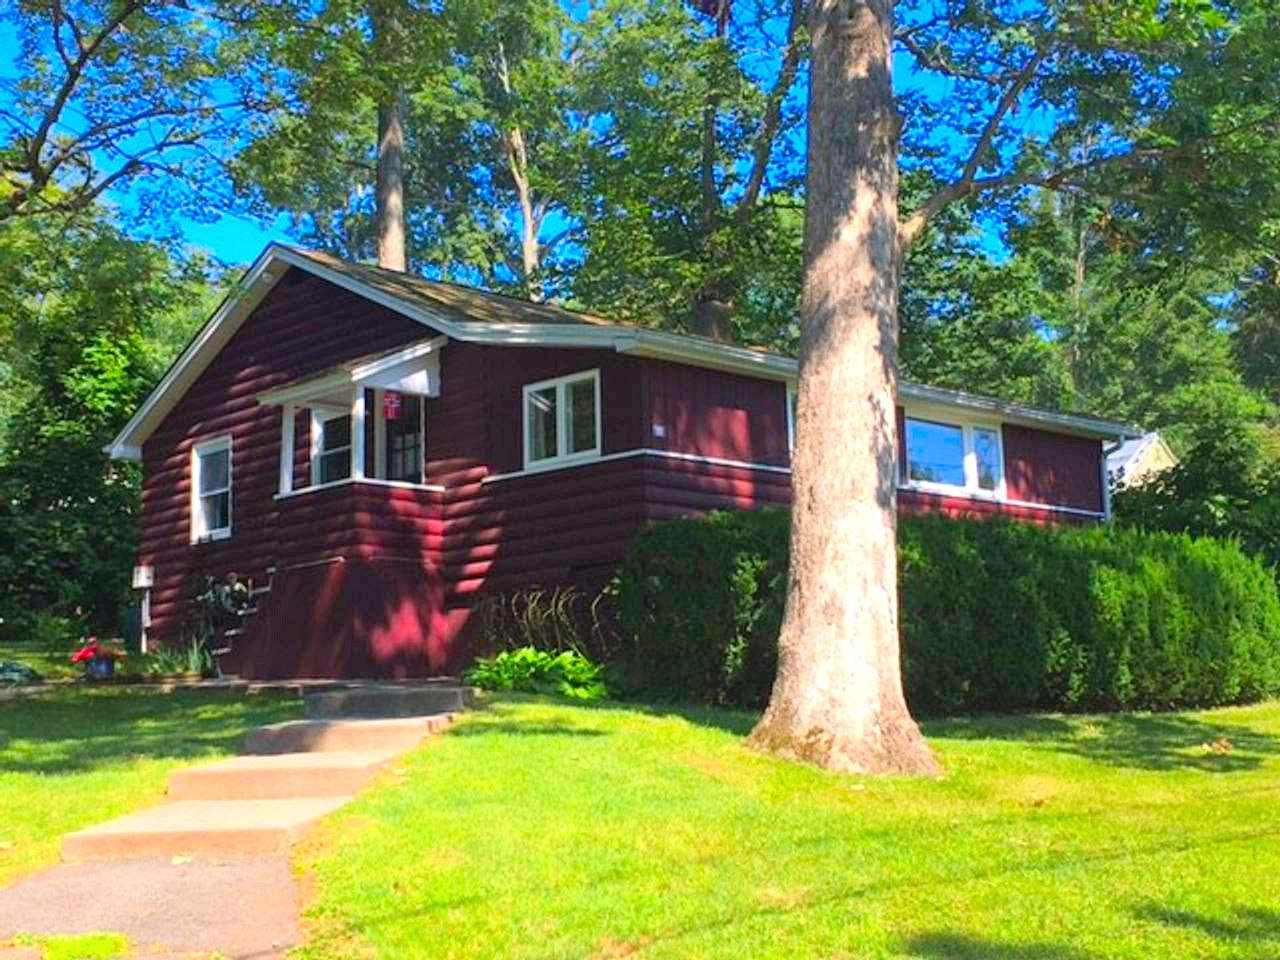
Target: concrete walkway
[{"x": 209, "y": 870}]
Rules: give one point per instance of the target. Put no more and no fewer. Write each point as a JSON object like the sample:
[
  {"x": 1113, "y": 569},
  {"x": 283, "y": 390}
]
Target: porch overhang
[{"x": 411, "y": 369}]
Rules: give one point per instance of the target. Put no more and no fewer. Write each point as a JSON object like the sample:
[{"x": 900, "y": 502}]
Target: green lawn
[
  {"x": 50, "y": 664},
  {"x": 540, "y": 830},
  {"x": 77, "y": 756}
]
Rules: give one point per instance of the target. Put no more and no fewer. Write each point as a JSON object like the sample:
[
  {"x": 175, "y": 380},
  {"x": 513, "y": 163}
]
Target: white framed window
[
  {"x": 211, "y": 490},
  {"x": 950, "y": 456},
  {"x": 562, "y": 419},
  {"x": 330, "y": 445}
]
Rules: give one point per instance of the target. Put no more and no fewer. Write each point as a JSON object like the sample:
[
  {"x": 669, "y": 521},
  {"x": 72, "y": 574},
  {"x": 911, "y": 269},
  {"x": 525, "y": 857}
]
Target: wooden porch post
[
  {"x": 357, "y": 434},
  {"x": 288, "y": 413}
]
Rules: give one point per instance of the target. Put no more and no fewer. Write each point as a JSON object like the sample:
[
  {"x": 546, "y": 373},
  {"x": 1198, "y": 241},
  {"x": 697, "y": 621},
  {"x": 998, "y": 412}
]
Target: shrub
[
  {"x": 700, "y": 605},
  {"x": 528, "y": 670},
  {"x": 995, "y": 615}
]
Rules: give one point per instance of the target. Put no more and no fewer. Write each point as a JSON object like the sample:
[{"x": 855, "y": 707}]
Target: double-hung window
[
  {"x": 562, "y": 419},
  {"x": 954, "y": 456},
  {"x": 331, "y": 447},
  {"x": 211, "y": 490},
  {"x": 403, "y": 439}
]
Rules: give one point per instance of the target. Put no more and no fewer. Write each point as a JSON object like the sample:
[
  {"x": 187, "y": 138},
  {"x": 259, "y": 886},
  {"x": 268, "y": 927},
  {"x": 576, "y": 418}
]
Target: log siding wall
[{"x": 370, "y": 579}]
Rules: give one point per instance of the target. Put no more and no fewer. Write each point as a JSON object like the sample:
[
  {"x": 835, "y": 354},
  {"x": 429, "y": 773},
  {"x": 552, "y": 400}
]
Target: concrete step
[
  {"x": 279, "y": 776},
  {"x": 322, "y": 736},
  {"x": 388, "y": 701},
  {"x": 221, "y": 827}
]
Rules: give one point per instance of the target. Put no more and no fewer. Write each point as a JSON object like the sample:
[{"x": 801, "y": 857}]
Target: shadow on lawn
[
  {"x": 489, "y": 718},
  {"x": 1252, "y": 925},
  {"x": 959, "y": 946},
  {"x": 1141, "y": 741},
  {"x": 80, "y": 730}
]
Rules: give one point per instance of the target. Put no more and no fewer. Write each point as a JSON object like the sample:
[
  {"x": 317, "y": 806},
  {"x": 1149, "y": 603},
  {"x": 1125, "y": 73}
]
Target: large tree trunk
[
  {"x": 389, "y": 192},
  {"x": 838, "y": 700}
]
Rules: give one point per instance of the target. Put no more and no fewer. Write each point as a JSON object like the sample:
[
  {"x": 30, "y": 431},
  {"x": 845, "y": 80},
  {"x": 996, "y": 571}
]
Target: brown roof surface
[{"x": 460, "y": 304}]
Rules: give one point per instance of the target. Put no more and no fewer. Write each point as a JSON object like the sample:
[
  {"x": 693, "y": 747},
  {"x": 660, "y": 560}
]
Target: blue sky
[
  {"x": 238, "y": 238},
  {"x": 232, "y": 238}
]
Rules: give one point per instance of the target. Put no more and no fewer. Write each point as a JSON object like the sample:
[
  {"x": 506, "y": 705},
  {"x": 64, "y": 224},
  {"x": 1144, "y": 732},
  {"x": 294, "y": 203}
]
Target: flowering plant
[{"x": 93, "y": 650}]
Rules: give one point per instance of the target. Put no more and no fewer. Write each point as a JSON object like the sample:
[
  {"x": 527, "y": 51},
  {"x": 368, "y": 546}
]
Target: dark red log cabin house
[{"x": 380, "y": 450}]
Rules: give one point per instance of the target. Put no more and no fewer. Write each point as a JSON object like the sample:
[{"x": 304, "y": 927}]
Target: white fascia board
[
  {"x": 720, "y": 356},
  {"x": 654, "y": 344},
  {"x": 414, "y": 311},
  {"x": 1017, "y": 414},
  {"x": 348, "y": 376},
  {"x": 193, "y": 360},
  {"x": 412, "y": 352}
]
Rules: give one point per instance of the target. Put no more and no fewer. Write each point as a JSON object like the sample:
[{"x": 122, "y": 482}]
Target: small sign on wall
[
  {"x": 144, "y": 577},
  {"x": 392, "y": 404}
]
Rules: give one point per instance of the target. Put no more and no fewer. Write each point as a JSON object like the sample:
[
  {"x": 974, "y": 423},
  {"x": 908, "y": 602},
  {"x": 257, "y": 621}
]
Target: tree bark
[
  {"x": 837, "y": 701},
  {"x": 389, "y": 191},
  {"x": 531, "y": 213}
]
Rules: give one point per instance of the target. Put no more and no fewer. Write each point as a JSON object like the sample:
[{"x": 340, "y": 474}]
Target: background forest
[{"x": 1111, "y": 247}]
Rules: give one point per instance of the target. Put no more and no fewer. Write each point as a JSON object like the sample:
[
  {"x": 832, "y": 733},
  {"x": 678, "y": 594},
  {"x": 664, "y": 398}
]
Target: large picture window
[
  {"x": 562, "y": 419},
  {"x": 211, "y": 490},
  {"x": 958, "y": 456}
]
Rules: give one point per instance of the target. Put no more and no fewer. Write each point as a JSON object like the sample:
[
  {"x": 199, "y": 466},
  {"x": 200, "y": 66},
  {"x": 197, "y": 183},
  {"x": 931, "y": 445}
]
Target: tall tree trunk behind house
[
  {"x": 713, "y": 304},
  {"x": 838, "y": 700},
  {"x": 389, "y": 191}
]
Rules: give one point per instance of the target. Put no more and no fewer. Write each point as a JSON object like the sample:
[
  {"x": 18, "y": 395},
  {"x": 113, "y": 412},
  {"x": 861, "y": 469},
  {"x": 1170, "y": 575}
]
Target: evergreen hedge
[{"x": 996, "y": 615}]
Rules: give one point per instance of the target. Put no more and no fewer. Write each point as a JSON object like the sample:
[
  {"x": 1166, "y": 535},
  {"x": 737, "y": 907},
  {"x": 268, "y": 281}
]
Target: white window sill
[
  {"x": 950, "y": 490},
  {"x": 211, "y": 537},
  {"x": 963, "y": 493},
  {"x": 556, "y": 463},
  {"x": 397, "y": 484}
]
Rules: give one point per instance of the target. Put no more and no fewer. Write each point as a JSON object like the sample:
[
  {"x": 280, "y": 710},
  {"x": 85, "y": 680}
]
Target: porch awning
[{"x": 411, "y": 369}]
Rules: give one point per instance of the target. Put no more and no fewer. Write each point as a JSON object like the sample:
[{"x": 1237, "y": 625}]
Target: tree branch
[
  {"x": 948, "y": 194},
  {"x": 763, "y": 149},
  {"x": 74, "y": 72},
  {"x": 935, "y": 60},
  {"x": 1065, "y": 178}
]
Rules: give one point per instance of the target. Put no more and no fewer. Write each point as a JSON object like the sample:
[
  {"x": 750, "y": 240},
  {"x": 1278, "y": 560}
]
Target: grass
[
  {"x": 76, "y": 756},
  {"x": 92, "y": 946},
  {"x": 49, "y": 663},
  {"x": 543, "y": 830}
]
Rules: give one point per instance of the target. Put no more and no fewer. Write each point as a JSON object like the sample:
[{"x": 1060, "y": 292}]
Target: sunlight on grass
[
  {"x": 79, "y": 756},
  {"x": 541, "y": 830},
  {"x": 90, "y": 946}
]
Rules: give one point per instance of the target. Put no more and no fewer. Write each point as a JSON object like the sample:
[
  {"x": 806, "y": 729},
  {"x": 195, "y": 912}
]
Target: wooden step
[
  {"x": 388, "y": 701},
  {"x": 279, "y": 776},
  {"x": 190, "y": 827},
  {"x": 315, "y": 736}
]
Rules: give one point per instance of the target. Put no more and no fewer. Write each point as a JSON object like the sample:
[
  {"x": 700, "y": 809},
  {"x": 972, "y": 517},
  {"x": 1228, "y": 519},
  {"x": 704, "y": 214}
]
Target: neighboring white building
[{"x": 1135, "y": 461}]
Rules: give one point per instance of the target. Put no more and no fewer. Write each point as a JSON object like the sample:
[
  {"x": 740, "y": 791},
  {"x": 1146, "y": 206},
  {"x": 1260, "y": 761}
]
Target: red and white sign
[{"x": 392, "y": 404}]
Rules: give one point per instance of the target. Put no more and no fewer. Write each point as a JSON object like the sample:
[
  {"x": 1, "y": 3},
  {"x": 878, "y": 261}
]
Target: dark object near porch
[{"x": 17, "y": 674}]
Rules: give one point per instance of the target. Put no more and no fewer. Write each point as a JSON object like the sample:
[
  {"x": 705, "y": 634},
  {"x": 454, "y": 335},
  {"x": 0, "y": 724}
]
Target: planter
[
  {"x": 171, "y": 678},
  {"x": 100, "y": 668}
]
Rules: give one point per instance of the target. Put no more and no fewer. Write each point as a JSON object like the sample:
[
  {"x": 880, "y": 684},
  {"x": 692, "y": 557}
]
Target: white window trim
[
  {"x": 320, "y": 415},
  {"x": 792, "y": 395},
  {"x": 967, "y": 427},
  {"x": 198, "y": 533},
  {"x": 562, "y": 456}
]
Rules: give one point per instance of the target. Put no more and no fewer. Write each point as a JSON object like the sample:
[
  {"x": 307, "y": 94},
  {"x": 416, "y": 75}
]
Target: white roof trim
[
  {"x": 656, "y": 344},
  {"x": 347, "y": 376},
  {"x": 204, "y": 346},
  {"x": 1016, "y": 413}
]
